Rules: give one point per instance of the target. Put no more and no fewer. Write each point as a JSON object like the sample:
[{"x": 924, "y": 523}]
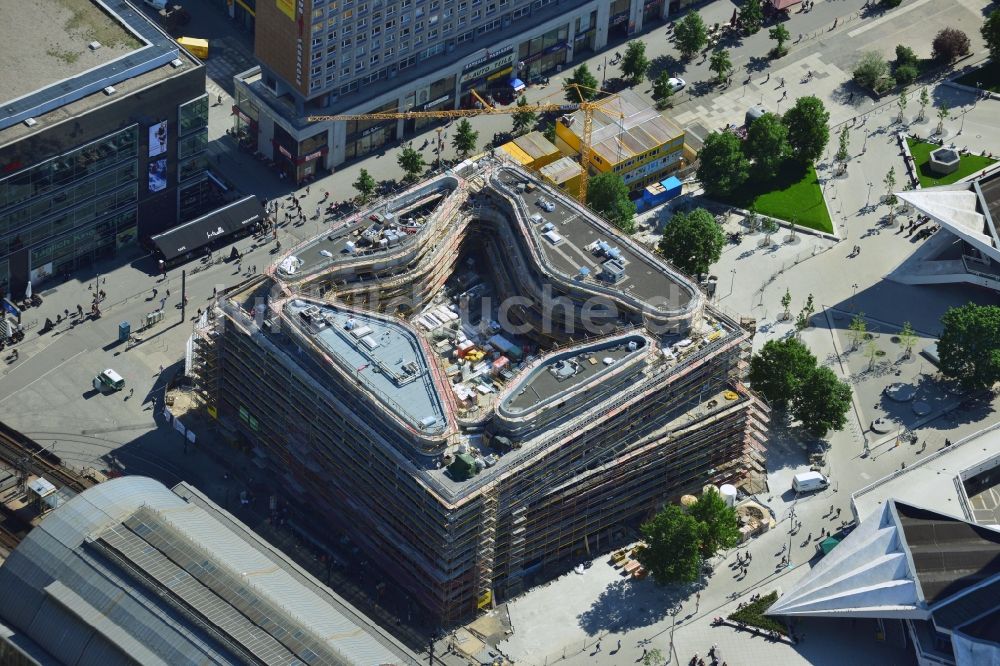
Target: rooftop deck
[
  {"x": 343, "y": 242},
  {"x": 563, "y": 373},
  {"x": 566, "y": 236},
  {"x": 384, "y": 357}
]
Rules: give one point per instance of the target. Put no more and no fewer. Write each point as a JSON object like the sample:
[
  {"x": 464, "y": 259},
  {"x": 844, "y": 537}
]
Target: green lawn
[
  {"x": 988, "y": 75},
  {"x": 921, "y": 152},
  {"x": 794, "y": 195}
]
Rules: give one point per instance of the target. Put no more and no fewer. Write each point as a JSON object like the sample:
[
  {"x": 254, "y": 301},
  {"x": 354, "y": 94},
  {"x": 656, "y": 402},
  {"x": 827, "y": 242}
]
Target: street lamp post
[
  {"x": 869, "y": 200},
  {"x": 962, "y": 126},
  {"x": 732, "y": 282},
  {"x": 855, "y": 293},
  {"x": 791, "y": 528},
  {"x": 673, "y": 620}
]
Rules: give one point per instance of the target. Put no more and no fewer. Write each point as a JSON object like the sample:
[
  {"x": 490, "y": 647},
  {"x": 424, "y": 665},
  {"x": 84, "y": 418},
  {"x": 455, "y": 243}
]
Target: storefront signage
[
  {"x": 580, "y": 36},
  {"x": 245, "y": 118},
  {"x": 313, "y": 156},
  {"x": 371, "y": 130},
  {"x": 486, "y": 69},
  {"x": 619, "y": 18},
  {"x": 436, "y": 102},
  {"x": 556, "y": 47},
  {"x": 489, "y": 55},
  {"x": 284, "y": 151},
  {"x": 497, "y": 75}
]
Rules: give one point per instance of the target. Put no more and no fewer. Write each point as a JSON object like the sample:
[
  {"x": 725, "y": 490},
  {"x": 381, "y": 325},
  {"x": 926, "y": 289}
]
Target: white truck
[{"x": 808, "y": 482}]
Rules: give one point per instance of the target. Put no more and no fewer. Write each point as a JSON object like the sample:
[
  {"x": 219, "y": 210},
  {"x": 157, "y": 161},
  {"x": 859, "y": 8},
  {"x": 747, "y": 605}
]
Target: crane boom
[{"x": 486, "y": 109}]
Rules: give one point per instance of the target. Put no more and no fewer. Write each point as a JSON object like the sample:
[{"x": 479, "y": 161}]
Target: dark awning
[{"x": 209, "y": 228}]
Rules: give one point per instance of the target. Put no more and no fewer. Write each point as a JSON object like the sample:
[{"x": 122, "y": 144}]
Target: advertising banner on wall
[
  {"x": 158, "y": 139},
  {"x": 158, "y": 175}
]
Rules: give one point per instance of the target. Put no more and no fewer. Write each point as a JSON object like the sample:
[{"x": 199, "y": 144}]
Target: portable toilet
[{"x": 124, "y": 329}]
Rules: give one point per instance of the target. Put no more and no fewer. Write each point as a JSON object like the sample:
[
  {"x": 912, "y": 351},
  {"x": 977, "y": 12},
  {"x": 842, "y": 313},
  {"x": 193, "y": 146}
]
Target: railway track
[
  {"x": 22, "y": 452},
  {"x": 8, "y": 539}
]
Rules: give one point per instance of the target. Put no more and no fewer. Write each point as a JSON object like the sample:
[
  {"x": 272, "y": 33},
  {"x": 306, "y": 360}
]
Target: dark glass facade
[{"x": 83, "y": 190}]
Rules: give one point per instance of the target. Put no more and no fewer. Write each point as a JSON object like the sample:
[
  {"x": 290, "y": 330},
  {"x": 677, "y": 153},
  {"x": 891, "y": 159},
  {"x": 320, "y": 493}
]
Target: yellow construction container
[
  {"x": 198, "y": 47},
  {"x": 519, "y": 155}
]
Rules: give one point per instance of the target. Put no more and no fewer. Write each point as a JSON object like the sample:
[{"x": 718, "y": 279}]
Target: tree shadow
[
  {"x": 701, "y": 88},
  {"x": 758, "y": 63},
  {"x": 666, "y": 63},
  {"x": 628, "y": 604}
]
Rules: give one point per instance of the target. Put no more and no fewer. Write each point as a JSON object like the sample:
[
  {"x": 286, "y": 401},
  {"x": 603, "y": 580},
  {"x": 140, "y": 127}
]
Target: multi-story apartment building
[
  {"x": 364, "y": 56},
  {"x": 101, "y": 142},
  {"x": 485, "y": 386}
]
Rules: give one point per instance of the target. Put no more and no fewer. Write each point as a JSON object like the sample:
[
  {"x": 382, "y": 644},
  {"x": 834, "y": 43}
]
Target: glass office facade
[
  {"x": 73, "y": 208},
  {"x": 195, "y": 192}
]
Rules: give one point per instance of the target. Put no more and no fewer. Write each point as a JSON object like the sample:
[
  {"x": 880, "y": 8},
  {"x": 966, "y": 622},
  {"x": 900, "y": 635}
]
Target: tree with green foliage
[
  {"x": 690, "y": 34},
  {"x": 581, "y": 84},
  {"x": 907, "y": 338},
  {"x": 906, "y": 66},
  {"x": 465, "y": 138},
  {"x": 950, "y": 44},
  {"x": 672, "y": 546},
  {"x": 871, "y": 352},
  {"x": 770, "y": 228},
  {"x": 718, "y": 523},
  {"x": 870, "y": 69},
  {"x": 549, "y": 132},
  {"x": 692, "y": 241},
  {"x": 412, "y": 162},
  {"x": 607, "y": 194},
  {"x": 858, "y": 330},
  {"x": 810, "y": 306},
  {"x": 821, "y": 402},
  {"x": 780, "y": 35},
  {"x": 779, "y": 368},
  {"x": 720, "y": 64},
  {"x": 767, "y": 145},
  {"x": 843, "y": 148},
  {"x": 635, "y": 63},
  {"x": 751, "y": 16},
  {"x": 890, "y": 184},
  {"x": 786, "y": 302},
  {"x": 653, "y": 657},
  {"x": 662, "y": 90},
  {"x": 808, "y": 124},
  {"x": 722, "y": 165},
  {"x": 901, "y": 103},
  {"x": 943, "y": 114},
  {"x": 925, "y": 99},
  {"x": 365, "y": 185},
  {"x": 801, "y": 322},
  {"x": 523, "y": 120},
  {"x": 991, "y": 34},
  {"x": 969, "y": 348}
]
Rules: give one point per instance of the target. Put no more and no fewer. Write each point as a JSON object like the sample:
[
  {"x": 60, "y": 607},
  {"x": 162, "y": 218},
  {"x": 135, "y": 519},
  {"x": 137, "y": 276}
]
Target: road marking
[
  {"x": 43, "y": 376},
  {"x": 887, "y": 17}
]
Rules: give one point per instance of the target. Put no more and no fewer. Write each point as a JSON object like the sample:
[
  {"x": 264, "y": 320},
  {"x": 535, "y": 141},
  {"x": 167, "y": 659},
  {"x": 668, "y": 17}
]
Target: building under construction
[{"x": 480, "y": 382}]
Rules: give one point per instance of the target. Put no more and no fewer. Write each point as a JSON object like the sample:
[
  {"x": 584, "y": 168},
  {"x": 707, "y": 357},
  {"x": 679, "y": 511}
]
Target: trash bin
[{"x": 124, "y": 329}]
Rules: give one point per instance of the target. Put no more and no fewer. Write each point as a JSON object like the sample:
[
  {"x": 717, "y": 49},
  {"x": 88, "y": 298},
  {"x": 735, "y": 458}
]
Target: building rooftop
[
  {"x": 562, "y": 170},
  {"x": 921, "y": 483},
  {"x": 565, "y": 372},
  {"x": 568, "y": 237},
  {"x": 345, "y": 241},
  {"x": 131, "y": 571},
  {"x": 625, "y": 125},
  {"x": 49, "y": 66},
  {"x": 47, "y": 41},
  {"x": 535, "y": 145},
  {"x": 383, "y": 355}
]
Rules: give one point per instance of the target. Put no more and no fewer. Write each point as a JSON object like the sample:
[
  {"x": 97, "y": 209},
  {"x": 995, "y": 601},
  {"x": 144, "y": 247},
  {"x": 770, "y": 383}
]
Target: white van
[
  {"x": 807, "y": 482},
  {"x": 109, "y": 381}
]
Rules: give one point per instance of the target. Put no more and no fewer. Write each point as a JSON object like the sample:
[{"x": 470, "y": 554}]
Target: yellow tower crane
[{"x": 587, "y": 106}]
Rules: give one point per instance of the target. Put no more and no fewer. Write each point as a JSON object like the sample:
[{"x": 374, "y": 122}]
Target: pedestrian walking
[
  {"x": 168, "y": 293},
  {"x": 619, "y": 644},
  {"x": 768, "y": 77},
  {"x": 838, "y": 512},
  {"x": 809, "y": 538},
  {"x": 131, "y": 392},
  {"x": 597, "y": 648},
  {"x": 749, "y": 556},
  {"x": 161, "y": 369},
  {"x": 219, "y": 100}
]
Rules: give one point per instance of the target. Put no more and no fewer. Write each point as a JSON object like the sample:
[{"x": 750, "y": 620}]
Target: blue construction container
[{"x": 672, "y": 187}]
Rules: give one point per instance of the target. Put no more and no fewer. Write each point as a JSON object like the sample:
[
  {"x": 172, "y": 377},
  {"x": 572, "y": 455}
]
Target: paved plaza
[{"x": 47, "y": 392}]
